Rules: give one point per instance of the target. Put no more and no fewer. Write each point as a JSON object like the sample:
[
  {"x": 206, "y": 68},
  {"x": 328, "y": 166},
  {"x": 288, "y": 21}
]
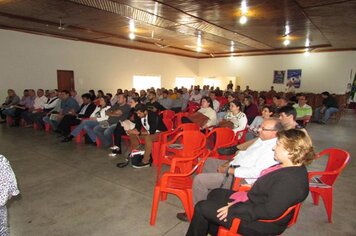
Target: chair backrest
[
  {"x": 167, "y": 114},
  {"x": 192, "y": 140},
  {"x": 240, "y": 137},
  {"x": 221, "y": 137},
  {"x": 337, "y": 161},
  {"x": 168, "y": 123},
  {"x": 178, "y": 118}
]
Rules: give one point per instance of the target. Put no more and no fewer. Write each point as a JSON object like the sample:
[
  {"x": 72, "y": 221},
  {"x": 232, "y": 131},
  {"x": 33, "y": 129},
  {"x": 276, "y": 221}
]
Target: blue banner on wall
[{"x": 294, "y": 77}]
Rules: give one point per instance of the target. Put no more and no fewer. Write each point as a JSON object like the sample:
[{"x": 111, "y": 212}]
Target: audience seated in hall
[
  {"x": 74, "y": 94},
  {"x": 195, "y": 96},
  {"x": 11, "y": 100},
  {"x": 330, "y": 106},
  {"x": 216, "y": 103},
  {"x": 178, "y": 103},
  {"x": 122, "y": 127},
  {"x": 25, "y": 104},
  {"x": 304, "y": 111},
  {"x": 52, "y": 102},
  {"x": 251, "y": 109},
  {"x": 224, "y": 109},
  {"x": 73, "y": 119},
  {"x": 277, "y": 188},
  {"x": 68, "y": 106},
  {"x": 165, "y": 101},
  {"x": 97, "y": 117},
  {"x": 38, "y": 105},
  {"x": 153, "y": 104},
  {"x": 118, "y": 112},
  {"x": 246, "y": 165},
  {"x": 147, "y": 127}
]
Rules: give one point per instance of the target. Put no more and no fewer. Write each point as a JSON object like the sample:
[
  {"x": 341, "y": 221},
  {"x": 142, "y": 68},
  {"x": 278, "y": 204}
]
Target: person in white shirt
[
  {"x": 207, "y": 110},
  {"x": 38, "y": 105},
  {"x": 246, "y": 165},
  {"x": 98, "y": 116},
  {"x": 196, "y": 96},
  {"x": 51, "y": 103}
]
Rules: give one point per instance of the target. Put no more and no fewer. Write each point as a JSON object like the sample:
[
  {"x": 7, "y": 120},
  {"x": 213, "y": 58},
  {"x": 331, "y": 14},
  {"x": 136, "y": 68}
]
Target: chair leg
[
  {"x": 155, "y": 202},
  {"x": 163, "y": 196},
  {"x": 328, "y": 202},
  {"x": 190, "y": 203},
  {"x": 315, "y": 197}
]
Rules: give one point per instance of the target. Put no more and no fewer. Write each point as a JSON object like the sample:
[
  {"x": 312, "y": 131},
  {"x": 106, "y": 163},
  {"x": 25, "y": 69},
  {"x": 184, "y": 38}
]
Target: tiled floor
[{"x": 71, "y": 189}]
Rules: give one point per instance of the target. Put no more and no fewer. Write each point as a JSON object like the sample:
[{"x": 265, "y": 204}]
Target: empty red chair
[
  {"x": 321, "y": 182},
  {"x": 167, "y": 114},
  {"x": 179, "y": 184},
  {"x": 236, "y": 222},
  {"x": 184, "y": 144},
  {"x": 220, "y": 137}
]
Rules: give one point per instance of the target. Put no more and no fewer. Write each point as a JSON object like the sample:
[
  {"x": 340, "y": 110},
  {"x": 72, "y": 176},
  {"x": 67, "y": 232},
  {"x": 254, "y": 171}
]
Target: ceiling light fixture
[
  {"x": 132, "y": 25},
  {"x": 244, "y": 11},
  {"x": 243, "y": 20},
  {"x": 244, "y": 8},
  {"x": 199, "y": 49},
  {"x": 286, "y": 42},
  {"x": 232, "y": 48},
  {"x": 132, "y": 36}
]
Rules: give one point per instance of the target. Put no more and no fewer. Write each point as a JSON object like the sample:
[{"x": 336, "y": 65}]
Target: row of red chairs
[{"x": 178, "y": 181}]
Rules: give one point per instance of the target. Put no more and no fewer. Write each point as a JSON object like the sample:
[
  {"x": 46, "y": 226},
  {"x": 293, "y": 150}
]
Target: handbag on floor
[{"x": 135, "y": 157}]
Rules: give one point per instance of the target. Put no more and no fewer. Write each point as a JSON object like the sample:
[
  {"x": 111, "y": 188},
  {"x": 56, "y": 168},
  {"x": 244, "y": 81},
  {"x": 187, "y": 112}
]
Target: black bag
[
  {"x": 136, "y": 159},
  {"x": 227, "y": 151}
]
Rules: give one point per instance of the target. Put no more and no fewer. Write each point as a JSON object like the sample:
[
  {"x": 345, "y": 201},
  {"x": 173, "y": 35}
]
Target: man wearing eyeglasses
[
  {"x": 147, "y": 126},
  {"x": 246, "y": 165}
]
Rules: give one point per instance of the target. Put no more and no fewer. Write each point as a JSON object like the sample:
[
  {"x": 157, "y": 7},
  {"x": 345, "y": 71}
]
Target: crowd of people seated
[{"x": 275, "y": 154}]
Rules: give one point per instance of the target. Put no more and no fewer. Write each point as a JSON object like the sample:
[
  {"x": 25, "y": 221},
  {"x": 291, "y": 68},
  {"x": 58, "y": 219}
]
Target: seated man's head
[
  {"x": 121, "y": 99},
  {"x": 302, "y": 100},
  {"x": 212, "y": 95},
  {"x": 65, "y": 94},
  {"x": 40, "y": 93},
  {"x": 248, "y": 100},
  {"x": 269, "y": 128},
  {"x": 87, "y": 98},
  {"x": 152, "y": 95},
  {"x": 141, "y": 110},
  {"x": 287, "y": 115},
  {"x": 325, "y": 94},
  {"x": 282, "y": 102},
  {"x": 165, "y": 93}
]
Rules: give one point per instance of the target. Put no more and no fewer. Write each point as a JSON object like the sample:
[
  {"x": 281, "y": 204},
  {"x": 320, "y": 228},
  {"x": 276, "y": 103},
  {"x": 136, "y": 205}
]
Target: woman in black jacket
[{"x": 277, "y": 189}]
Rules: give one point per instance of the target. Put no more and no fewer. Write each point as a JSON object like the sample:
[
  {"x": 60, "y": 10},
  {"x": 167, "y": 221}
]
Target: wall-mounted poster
[
  {"x": 278, "y": 77},
  {"x": 294, "y": 78}
]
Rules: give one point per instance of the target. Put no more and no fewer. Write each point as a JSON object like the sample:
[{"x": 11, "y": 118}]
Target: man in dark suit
[
  {"x": 75, "y": 118},
  {"x": 147, "y": 126}
]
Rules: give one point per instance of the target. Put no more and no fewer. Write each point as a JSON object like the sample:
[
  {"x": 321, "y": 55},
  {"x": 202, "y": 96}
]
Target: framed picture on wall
[
  {"x": 278, "y": 76},
  {"x": 294, "y": 77}
]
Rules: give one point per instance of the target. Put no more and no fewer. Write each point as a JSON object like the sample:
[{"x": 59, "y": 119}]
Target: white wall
[
  {"x": 320, "y": 71},
  {"x": 32, "y": 61}
]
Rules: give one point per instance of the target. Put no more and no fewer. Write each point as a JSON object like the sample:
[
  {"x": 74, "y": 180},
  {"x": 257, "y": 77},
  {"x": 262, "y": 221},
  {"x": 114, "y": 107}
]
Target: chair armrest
[
  {"x": 235, "y": 225},
  {"x": 245, "y": 188},
  {"x": 315, "y": 173}
]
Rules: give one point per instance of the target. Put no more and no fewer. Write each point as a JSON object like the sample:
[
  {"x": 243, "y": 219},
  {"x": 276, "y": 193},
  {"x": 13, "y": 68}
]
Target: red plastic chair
[
  {"x": 240, "y": 137},
  {"x": 179, "y": 184},
  {"x": 193, "y": 107},
  {"x": 220, "y": 137},
  {"x": 236, "y": 222},
  {"x": 191, "y": 142},
  {"x": 167, "y": 114},
  {"x": 321, "y": 182},
  {"x": 178, "y": 118}
]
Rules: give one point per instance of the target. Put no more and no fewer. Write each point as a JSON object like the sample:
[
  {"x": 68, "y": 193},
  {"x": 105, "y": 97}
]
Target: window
[
  {"x": 185, "y": 82},
  {"x": 211, "y": 82},
  {"x": 145, "y": 82}
]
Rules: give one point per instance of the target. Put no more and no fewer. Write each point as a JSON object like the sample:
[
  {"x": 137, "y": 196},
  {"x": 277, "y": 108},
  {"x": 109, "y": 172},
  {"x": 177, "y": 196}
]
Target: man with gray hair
[{"x": 246, "y": 165}]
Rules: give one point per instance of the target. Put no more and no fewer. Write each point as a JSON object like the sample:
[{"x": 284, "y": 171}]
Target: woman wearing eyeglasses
[{"x": 278, "y": 188}]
